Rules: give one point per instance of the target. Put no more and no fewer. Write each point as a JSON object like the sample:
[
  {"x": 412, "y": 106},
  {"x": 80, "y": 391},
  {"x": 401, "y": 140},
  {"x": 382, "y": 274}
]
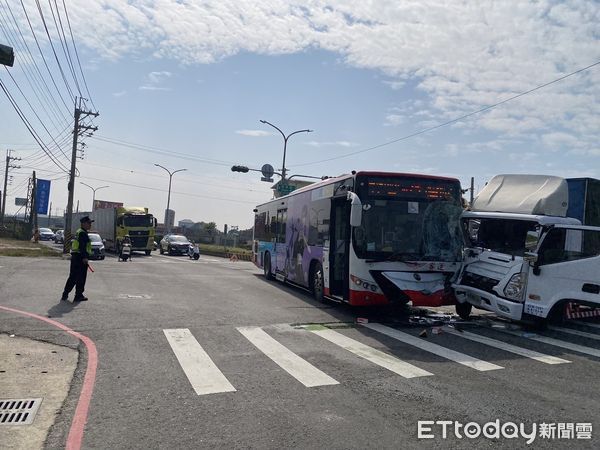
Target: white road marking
[
  {"x": 371, "y": 354},
  {"x": 541, "y": 357},
  {"x": 300, "y": 369},
  {"x": 557, "y": 343},
  {"x": 444, "y": 352},
  {"x": 588, "y": 324},
  {"x": 204, "y": 376},
  {"x": 575, "y": 332}
]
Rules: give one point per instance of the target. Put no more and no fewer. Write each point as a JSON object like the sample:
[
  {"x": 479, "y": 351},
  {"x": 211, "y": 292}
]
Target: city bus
[{"x": 366, "y": 238}]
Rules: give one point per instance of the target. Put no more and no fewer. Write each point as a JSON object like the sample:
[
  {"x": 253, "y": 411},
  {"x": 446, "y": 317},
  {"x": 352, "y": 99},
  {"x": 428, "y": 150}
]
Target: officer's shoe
[{"x": 80, "y": 299}]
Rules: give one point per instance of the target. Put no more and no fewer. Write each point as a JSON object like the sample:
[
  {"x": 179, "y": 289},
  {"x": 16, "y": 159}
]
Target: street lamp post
[
  {"x": 285, "y": 139},
  {"x": 168, "y": 227},
  {"x": 94, "y": 190}
]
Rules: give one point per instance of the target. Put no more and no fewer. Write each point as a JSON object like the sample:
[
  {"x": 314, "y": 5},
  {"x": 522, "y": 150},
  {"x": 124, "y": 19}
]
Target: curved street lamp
[
  {"x": 285, "y": 139},
  {"x": 168, "y": 227},
  {"x": 94, "y": 190}
]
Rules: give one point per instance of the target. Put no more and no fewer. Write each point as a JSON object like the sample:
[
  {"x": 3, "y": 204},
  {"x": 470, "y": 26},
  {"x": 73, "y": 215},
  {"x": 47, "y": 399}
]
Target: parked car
[
  {"x": 46, "y": 234},
  {"x": 97, "y": 246},
  {"x": 174, "y": 244},
  {"x": 59, "y": 236}
]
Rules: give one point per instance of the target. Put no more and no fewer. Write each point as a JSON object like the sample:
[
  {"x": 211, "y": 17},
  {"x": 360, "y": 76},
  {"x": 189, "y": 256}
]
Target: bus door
[
  {"x": 339, "y": 252},
  {"x": 280, "y": 245}
]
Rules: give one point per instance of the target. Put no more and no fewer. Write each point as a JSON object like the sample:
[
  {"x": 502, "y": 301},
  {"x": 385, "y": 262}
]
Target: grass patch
[
  {"x": 221, "y": 249},
  {"x": 13, "y": 247}
]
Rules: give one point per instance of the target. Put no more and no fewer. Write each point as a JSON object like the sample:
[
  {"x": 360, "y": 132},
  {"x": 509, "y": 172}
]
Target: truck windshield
[
  {"x": 499, "y": 235},
  {"x": 408, "y": 219},
  {"x": 139, "y": 221}
]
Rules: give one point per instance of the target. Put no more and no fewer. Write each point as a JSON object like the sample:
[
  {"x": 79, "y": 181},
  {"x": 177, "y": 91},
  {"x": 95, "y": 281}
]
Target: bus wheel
[
  {"x": 267, "y": 267},
  {"x": 317, "y": 282},
  {"x": 464, "y": 310}
]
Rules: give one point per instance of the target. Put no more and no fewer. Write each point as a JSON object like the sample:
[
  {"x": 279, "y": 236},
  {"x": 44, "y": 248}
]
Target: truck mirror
[
  {"x": 530, "y": 257},
  {"x": 355, "y": 209},
  {"x": 531, "y": 240}
]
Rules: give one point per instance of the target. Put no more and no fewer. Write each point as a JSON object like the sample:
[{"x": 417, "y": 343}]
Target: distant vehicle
[
  {"x": 116, "y": 223},
  {"x": 174, "y": 244},
  {"x": 97, "y": 246},
  {"x": 46, "y": 234},
  {"x": 59, "y": 236}
]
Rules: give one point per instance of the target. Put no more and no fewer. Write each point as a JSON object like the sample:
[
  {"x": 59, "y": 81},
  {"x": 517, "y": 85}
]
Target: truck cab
[{"x": 523, "y": 258}]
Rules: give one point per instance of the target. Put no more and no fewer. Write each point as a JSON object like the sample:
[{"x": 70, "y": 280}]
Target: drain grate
[{"x": 20, "y": 411}]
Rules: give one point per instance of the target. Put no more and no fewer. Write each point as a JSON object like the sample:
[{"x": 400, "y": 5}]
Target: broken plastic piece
[{"x": 423, "y": 334}]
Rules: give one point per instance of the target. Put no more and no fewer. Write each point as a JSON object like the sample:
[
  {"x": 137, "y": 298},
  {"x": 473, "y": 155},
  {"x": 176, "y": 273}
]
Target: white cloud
[
  {"x": 154, "y": 80},
  {"x": 254, "y": 133},
  {"x": 332, "y": 144},
  {"x": 119, "y": 94},
  {"x": 462, "y": 55}
]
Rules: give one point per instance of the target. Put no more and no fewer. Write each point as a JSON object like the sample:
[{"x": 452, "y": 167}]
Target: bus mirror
[{"x": 355, "y": 209}]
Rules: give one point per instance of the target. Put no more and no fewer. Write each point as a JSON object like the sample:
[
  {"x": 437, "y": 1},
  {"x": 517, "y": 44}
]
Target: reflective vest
[{"x": 75, "y": 243}]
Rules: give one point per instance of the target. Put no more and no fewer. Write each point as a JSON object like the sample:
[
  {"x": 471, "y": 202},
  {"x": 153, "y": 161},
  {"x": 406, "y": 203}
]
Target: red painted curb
[{"x": 75, "y": 437}]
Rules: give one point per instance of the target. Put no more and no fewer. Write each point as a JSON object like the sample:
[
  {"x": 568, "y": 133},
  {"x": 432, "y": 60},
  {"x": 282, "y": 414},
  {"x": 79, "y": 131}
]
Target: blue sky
[{"x": 192, "y": 79}]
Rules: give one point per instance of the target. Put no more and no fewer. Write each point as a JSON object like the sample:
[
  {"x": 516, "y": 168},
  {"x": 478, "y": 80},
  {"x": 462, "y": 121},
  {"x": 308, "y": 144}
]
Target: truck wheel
[
  {"x": 147, "y": 252},
  {"x": 162, "y": 252},
  {"x": 464, "y": 310},
  {"x": 267, "y": 267},
  {"x": 318, "y": 286}
]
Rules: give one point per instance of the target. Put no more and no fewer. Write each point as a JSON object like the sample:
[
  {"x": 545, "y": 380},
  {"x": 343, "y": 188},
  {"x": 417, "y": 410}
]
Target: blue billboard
[{"x": 42, "y": 196}]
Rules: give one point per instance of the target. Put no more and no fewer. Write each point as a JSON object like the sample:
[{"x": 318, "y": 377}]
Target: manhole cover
[{"x": 20, "y": 411}]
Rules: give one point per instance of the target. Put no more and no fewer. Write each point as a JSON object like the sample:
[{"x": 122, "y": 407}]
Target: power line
[
  {"x": 77, "y": 54},
  {"x": 43, "y": 58},
  {"x": 173, "y": 192},
  {"x": 36, "y": 114},
  {"x": 29, "y": 127},
  {"x": 53, "y": 50},
  {"x": 45, "y": 94},
  {"x": 64, "y": 44},
  {"x": 435, "y": 127}
]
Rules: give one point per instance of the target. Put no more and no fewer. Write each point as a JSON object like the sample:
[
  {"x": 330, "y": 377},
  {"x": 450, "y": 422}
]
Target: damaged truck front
[{"x": 524, "y": 257}]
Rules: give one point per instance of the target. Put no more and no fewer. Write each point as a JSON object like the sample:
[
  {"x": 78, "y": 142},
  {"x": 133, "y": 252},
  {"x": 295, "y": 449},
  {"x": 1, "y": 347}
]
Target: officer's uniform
[{"x": 81, "y": 248}]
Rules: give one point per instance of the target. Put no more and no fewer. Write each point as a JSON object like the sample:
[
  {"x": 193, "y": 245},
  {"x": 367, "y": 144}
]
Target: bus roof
[{"x": 328, "y": 181}]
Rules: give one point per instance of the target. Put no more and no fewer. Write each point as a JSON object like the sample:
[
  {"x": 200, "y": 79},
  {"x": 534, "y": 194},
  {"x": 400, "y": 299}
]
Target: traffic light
[
  {"x": 242, "y": 169},
  {"x": 7, "y": 55}
]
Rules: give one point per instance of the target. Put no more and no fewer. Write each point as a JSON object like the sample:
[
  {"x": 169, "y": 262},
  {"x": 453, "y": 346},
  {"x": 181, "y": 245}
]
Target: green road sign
[{"x": 285, "y": 188}]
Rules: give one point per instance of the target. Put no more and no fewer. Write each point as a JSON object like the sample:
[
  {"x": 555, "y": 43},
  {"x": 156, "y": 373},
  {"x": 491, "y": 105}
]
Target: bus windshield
[{"x": 408, "y": 219}]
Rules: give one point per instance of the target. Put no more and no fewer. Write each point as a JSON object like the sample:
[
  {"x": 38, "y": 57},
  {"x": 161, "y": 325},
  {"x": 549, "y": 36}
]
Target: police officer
[{"x": 81, "y": 250}]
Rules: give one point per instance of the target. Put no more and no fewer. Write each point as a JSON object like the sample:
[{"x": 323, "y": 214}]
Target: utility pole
[
  {"x": 8, "y": 166},
  {"x": 33, "y": 221},
  {"x": 77, "y": 128},
  {"x": 49, "y": 215}
]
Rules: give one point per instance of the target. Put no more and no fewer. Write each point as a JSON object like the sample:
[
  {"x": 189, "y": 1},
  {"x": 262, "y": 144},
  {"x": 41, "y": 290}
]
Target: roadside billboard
[
  {"x": 42, "y": 196},
  {"x": 103, "y": 204}
]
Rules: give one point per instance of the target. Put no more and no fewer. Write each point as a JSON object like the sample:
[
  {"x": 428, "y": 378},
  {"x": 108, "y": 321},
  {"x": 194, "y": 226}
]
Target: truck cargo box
[
  {"x": 584, "y": 200},
  {"x": 524, "y": 194}
]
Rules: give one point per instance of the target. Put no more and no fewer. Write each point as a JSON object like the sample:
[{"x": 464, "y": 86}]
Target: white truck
[{"x": 524, "y": 258}]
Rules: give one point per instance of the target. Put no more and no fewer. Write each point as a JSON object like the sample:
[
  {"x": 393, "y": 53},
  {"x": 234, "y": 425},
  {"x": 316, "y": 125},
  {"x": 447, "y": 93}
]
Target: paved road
[{"x": 205, "y": 354}]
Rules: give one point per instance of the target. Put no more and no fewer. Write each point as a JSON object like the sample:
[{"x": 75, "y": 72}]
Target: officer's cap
[{"x": 85, "y": 219}]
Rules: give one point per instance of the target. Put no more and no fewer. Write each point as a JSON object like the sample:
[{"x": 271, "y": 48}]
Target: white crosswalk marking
[
  {"x": 576, "y": 332},
  {"x": 371, "y": 354},
  {"x": 300, "y": 369},
  {"x": 201, "y": 371},
  {"x": 541, "y": 357},
  {"x": 588, "y": 324},
  {"x": 557, "y": 343},
  {"x": 444, "y": 352}
]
